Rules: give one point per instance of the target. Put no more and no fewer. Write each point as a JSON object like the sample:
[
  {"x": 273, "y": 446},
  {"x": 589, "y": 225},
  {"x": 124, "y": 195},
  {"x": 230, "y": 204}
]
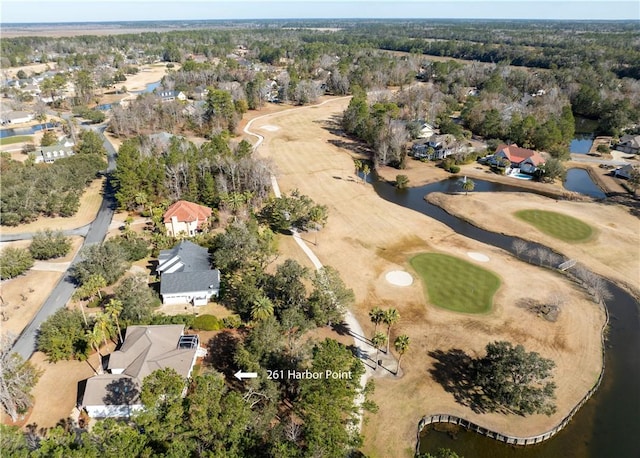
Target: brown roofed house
[
  {"x": 525, "y": 159},
  {"x": 144, "y": 350},
  {"x": 185, "y": 218}
]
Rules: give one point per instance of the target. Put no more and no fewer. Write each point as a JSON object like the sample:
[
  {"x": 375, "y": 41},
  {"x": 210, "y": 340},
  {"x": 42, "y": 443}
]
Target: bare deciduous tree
[
  {"x": 17, "y": 377},
  {"x": 520, "y": 247}
]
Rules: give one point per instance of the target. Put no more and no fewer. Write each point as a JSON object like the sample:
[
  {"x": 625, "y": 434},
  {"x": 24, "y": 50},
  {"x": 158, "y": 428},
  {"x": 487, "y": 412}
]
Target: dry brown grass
[
  {"x": 90, "y": 202},
  {"x": 366, "y": 237},
  {"x": 24, "y": 295}
]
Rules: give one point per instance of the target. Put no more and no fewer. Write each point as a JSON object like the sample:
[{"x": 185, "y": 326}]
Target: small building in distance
[
  {"x": 629, "y": 144},
  {"x": 185, "y": 218}
]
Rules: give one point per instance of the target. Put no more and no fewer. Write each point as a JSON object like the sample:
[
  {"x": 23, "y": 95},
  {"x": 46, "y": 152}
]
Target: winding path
[{"x": 355, "y": 329}]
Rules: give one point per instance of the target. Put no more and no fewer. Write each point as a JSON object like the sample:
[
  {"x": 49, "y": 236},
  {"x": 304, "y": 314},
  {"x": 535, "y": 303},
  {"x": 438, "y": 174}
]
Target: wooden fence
[{"x": 516, "y": 440}]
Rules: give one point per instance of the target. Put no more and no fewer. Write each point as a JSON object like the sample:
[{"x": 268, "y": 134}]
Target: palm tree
[
  {"x": 113, "y": 310},
  {"x": 93, "y": 285},
  {"x": 94, "y": 337},
  {"x": 365, "y": 172},
  {"x": 262, "y": 309},
  {"x": 357, "y": 163},
  {"x": 402, "y": 345},
  {"x": 378, "y": 340},
  {"x": 103, "y": 323},
  {"x": 376, "y": 314},
  {"x": 391, "y": 317},
  {"x": 468, "y": 185}
]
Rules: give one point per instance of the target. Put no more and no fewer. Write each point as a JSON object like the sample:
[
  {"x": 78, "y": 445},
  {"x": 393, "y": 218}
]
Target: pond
[
  {"x": 607, "y": 424},
  {"x": 581, "y": 143},
  {"x": 149, "y": 88},
  {"x": 578, "y": 180},
  {"x": 5, "y": 133}
]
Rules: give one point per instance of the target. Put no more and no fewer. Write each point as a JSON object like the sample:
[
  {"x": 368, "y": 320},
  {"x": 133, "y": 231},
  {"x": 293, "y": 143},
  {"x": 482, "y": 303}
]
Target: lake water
[
  {"x": 5, "y": 133},
  {"x": 149, "y": 88},
  {"x": 608, "y": 424},
  {"x": 578, "y": 180},
  {"x": 581, "y": 144}
]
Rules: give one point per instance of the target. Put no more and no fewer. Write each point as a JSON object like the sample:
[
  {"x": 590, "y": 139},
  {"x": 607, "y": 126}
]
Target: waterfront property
[
  {"x": 526, "y": 160},
  {"x": 144, "y": 350},
  {"x": 455, "y": 284},
  {"x": 629, "y": 144},
  {"x": 557, "y": 225}
]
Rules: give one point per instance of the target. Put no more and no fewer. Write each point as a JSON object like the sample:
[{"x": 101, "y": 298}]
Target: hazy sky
[{"x": 137, "y": 10}]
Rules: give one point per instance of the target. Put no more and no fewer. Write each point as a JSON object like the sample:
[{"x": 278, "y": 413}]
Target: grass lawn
[
  {"x": 455, "y": 284},
  {"x": 563, "y": 227},
  {"x": 15, "y": 139}
]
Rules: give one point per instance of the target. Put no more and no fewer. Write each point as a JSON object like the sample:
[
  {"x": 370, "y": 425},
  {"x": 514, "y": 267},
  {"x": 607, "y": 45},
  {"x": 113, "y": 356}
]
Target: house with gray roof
[
  {"x": 145, "y": 349},
  {"x": 186, "y": 275},
  {"x": 629, "y": 144}
]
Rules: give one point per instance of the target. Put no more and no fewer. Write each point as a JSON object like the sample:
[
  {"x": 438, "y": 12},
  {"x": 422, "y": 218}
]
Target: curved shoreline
[{"x": 528, "y": 440}]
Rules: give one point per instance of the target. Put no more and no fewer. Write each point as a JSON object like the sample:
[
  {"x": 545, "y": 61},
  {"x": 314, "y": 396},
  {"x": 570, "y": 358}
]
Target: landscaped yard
[
  {"x": 455, "y": 284},
  {"x": 563, "y": 227},
  {"x": 15, "y": 139}
]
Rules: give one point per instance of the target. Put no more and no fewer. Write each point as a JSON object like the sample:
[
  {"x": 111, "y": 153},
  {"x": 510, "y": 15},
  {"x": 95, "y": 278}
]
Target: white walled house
[
  {"x": 144, "y": 350},
  {"x": 185, "y": 218},
  {"x": 186, "y": 275}
]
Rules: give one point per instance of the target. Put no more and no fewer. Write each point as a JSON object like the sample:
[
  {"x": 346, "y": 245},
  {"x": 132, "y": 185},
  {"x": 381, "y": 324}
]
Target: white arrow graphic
[{"x": 242, "y": 375}]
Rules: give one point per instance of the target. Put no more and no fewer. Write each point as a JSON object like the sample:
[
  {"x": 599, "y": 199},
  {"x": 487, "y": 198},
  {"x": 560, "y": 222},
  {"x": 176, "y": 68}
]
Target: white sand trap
[
  {"x": 399, "y": 278},
  {"x": 478, "y": 256},
  {"x": 270, "y": 128}
]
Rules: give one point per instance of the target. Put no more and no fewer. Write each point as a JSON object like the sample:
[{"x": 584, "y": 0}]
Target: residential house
[
  {"x": 185, "y": 218},
  {"x": 629, "y": 144},
  {"x": 435, "y": 147},
  {"x": 186, "y": 275},
  {"x": 49, "y": 154},
  {"x": 625, "y": 171},
  {"x": 144, "y": 350},
  {"x": 170, "y": 96},
  {"x": 426, "y": 131},
  {"x": 525, "y": 159},
  {"x": 16, "y": 117}
]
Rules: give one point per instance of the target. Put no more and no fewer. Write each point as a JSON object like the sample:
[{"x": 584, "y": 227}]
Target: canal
[{"x": 608, "y": 424}]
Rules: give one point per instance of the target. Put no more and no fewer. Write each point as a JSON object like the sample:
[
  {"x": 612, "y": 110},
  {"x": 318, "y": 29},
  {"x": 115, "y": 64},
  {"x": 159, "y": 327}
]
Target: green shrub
[
  {"x": 14, "y": 262},
  {"x": 49, "y": 245},
  {"x": 232, "y": 321},
  {"x": 207, "y": 323},
  {"x": 454, "y": 169}
]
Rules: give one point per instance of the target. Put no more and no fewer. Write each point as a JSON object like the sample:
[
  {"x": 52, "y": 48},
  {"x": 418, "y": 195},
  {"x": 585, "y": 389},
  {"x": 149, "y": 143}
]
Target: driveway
[{"x": 96, "y": 231}]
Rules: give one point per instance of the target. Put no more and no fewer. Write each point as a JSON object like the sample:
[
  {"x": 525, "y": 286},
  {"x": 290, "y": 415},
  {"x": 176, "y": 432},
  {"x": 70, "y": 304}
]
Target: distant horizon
[{"x": 16, "y": 12}]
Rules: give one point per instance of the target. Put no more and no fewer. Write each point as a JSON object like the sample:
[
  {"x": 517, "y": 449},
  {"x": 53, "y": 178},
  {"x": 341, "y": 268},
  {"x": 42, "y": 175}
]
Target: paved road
[{"x": 25, "y": 345}]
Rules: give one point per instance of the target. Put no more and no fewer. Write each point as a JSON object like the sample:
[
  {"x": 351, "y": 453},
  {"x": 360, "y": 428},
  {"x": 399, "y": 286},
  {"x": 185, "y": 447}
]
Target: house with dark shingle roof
[
  {"x": 145, "y": 349},
  {"x": 186, "y": 275},
  {"x": 185, "y": 218},
  {"x": 629, "y": 144}
]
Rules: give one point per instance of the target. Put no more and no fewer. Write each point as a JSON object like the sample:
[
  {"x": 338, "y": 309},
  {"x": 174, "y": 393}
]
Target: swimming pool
[{"x": 521, "y": 176}]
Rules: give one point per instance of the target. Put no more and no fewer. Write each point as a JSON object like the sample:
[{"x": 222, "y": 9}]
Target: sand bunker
[
  {"x": 270, "y": 128},
  {"x": 399, "y": 278},
  {"x": 478, "y": 256}
]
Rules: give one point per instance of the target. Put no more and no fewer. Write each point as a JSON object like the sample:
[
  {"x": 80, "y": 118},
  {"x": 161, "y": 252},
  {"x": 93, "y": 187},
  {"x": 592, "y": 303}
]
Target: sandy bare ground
[
  {"x": 366, "y": 237},
  {"x": 613, "y": 251},
  {"x": 147, "y": 74},
  {"x": 23, "y": 296}
]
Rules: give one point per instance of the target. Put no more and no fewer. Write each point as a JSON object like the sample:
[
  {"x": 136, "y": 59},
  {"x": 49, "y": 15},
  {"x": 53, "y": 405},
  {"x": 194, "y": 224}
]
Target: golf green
[
  {"x": 557, "y": 225},
  {"x": 454, "y": 284}
]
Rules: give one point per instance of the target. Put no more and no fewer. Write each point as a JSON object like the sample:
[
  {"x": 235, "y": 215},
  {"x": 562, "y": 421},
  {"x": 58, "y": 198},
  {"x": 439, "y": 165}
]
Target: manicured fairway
[
  {"x": 557, "y": 225},
  {"x": 455, "y": 284}
]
